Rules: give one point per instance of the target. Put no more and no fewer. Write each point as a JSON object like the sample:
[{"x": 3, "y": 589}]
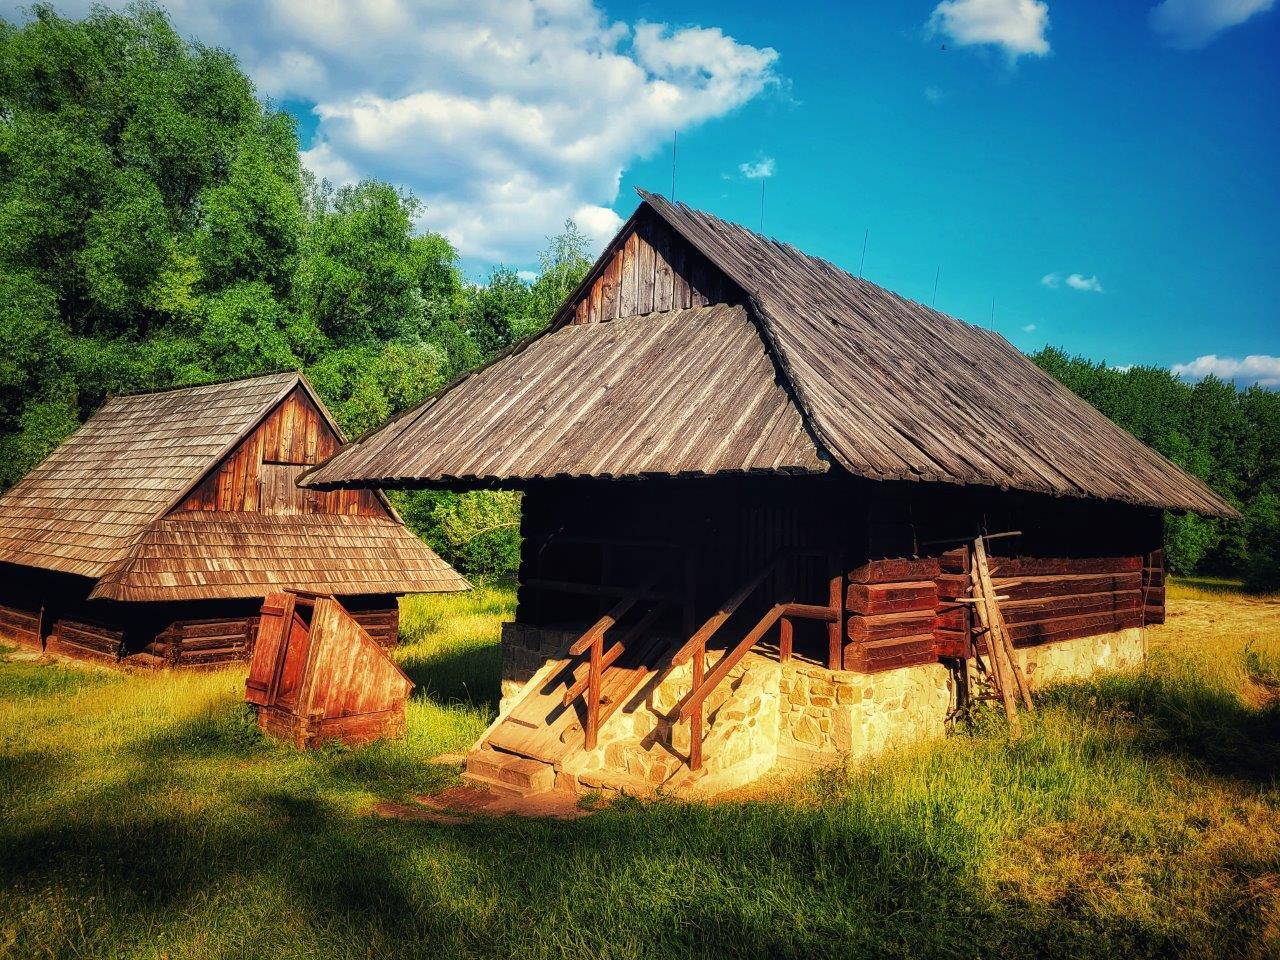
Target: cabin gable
[
  {"x": 261, "y": 474},
  {"x": 649, "y": 268}
]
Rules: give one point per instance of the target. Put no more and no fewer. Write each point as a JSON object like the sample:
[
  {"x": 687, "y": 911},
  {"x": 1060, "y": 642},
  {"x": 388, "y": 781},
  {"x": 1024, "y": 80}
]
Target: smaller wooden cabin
[
  {"x": 317, "y": 676},
  {"x": 154, "y": 531}
]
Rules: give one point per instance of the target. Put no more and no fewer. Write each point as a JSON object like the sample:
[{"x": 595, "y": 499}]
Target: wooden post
[
  {"x": 980, "y": 577},
  {"x": 835, "y": 600},
  {"x": 1001, "y": 632},
  {"x": 593, "y": 691},
  {"x": 695, "y": 721},
  {"x": 784, "y": 640}
]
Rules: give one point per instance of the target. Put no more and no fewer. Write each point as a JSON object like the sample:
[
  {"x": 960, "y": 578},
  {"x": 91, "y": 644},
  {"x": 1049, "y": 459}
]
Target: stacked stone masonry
[{"x": 794, "y": 715}]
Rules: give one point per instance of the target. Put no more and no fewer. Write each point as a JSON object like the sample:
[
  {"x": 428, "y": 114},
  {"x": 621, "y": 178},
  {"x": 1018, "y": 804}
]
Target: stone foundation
[{"x": 796, "y": 714}]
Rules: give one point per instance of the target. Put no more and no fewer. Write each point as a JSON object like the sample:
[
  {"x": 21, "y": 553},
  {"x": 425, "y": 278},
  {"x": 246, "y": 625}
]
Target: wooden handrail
[
  {"x": 694, "y": 699},
  {"x": 616, "y": 613},
  {"x": 729, "y": 608},
  {"x": 695, "y": 648},
  {"x": 611, "y": 655}
]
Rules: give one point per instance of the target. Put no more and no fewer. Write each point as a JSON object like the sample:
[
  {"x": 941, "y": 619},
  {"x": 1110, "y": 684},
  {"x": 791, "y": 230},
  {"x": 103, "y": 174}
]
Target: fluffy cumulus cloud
[
  {"x": 1259, "y": 368},
  {"x": 504, "y": 116},
  {"x": 1076, "y": 281},
  {"x": 1015, "y": 26},
  {"x": 1190, "y": 24},
  {"x": 758, "y": 169}
]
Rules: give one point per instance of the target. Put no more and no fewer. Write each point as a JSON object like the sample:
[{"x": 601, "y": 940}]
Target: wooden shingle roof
[
  {"x": 883, "y": 386},
  {"x": 200, "y": 554},
  {"x": 100, "y": 507},
  {"x": 692, "y": 391},
  {"x": 83, "y": 507}
]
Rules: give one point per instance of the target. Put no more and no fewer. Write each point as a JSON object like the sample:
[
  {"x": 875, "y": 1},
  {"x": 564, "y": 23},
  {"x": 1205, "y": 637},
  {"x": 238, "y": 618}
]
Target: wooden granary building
[
  {"x": 728, "y": 447},
  {"x": 155, "y": 530}
]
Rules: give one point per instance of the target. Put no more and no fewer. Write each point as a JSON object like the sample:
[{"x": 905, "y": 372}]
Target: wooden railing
[
  {"x": 591, "y": 643},
  {"x": 694, "y": 649}
]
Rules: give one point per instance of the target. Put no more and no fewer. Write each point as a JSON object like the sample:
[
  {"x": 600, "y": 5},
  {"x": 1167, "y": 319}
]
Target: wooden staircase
[
  {"x": 563, "y": 707},
  {"x": 524, "y": 749}
]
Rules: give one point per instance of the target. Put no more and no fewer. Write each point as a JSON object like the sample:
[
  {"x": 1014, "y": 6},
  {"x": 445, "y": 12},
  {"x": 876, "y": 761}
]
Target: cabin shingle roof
[
  {"x": 97, "y": 505},
  {"x": 692, "y": 391},
  {"x": 885, "y": 387}
]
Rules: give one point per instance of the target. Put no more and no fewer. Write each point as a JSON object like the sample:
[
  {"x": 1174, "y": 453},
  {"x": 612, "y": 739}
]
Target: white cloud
[
  {"x": 528, "y": 276},
  {"x": 1076, "y": 281},
  {"x": 504, "y": 116},
  {"x": 1190, "y": 24},
  {"x": 1080, "y": 282},
  {"x": 1122, "y": 367},
  {"x": 757, "y": 170},
  {"x": 933, "y": 95},
  {"x": 1259, "y": 368},
  {"x": 1015, "y": 26},
  {"x": 1029, "y": 328}
]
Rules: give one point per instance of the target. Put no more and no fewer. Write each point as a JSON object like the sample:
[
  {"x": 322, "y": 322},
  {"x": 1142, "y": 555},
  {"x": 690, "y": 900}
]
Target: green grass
[{"x": 144, "y": 816}]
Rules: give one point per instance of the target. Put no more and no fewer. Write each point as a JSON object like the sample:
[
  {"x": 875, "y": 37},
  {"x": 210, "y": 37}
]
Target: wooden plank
[
  {"x": 1062, "y": 566},
  {"x": 883, "y": 626},
  {"x": 896, "y": 570},
  {"x": 872, "y": 598},
  {"x": 879, "y": 655}
]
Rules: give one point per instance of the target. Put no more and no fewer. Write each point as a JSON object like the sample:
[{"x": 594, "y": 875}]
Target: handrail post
[
  {"x": 784, "y": 640},
  {"x": 835, "y": 600},
  {"x": 593, "y": 691},
  {"x": 695, "y": 721}
]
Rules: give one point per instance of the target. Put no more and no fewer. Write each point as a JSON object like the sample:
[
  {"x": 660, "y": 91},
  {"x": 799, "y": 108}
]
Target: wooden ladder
[{"x": 1003, "y": 669}]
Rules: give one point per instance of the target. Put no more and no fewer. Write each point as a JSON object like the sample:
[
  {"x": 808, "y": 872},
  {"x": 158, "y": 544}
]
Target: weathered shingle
[
  {"x": 883, "y": 386},
  {"x": 202, "y": 554},
  {"x": 692, "y": 391},
  {"x": 83, "y": 507}
]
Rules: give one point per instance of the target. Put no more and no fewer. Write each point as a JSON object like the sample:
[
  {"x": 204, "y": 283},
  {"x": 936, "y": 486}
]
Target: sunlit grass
[{"x": 144, "y": 816}]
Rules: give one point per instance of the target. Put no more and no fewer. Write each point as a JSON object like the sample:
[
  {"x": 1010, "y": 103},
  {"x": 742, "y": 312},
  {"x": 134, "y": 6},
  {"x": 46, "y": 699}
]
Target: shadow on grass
[
  {"x": 666, "y": 879},
  {"x": 1184, "y": 717},
  {"x": 469, "y": 675}
]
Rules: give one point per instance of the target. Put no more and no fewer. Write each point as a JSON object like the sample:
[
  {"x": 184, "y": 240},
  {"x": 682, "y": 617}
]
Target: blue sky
[
  {"x": 1105, "y": 171},
  {"x": 1112, "y": 156}
]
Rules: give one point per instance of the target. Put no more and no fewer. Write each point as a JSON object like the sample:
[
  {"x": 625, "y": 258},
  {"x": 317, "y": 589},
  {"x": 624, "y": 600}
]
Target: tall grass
[{"x": 145, "y": 817}]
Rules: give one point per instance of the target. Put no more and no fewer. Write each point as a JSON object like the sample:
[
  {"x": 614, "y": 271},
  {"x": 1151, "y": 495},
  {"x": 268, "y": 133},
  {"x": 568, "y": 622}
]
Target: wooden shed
[
  {"x": 155, "y": 530},
  {"x": 725, "y": 443},
  {"x": 317, "y": 675}
]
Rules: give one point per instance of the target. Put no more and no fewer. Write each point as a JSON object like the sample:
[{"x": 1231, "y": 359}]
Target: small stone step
[{"x": 509, "y": 773}]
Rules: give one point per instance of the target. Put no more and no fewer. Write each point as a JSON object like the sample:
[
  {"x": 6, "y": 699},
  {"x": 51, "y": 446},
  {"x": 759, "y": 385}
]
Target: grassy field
[{"x": 144, "y": 816}]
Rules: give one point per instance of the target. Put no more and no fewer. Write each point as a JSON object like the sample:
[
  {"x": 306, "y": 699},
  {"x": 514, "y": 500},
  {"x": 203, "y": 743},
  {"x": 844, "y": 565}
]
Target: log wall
[{"x": 21, "y": 625}]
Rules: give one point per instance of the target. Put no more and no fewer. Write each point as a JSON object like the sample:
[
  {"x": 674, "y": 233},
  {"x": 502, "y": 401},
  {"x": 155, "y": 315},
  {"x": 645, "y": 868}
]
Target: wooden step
[
  {"x": 540, "y": 726},
  {"x": 509, "y": 773}
]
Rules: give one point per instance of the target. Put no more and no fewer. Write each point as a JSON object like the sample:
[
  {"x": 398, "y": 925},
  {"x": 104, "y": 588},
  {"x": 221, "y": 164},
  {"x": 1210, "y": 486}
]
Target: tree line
[
  {"x": 157, "y": 229},
  {"x": 1226, "y": 436}
]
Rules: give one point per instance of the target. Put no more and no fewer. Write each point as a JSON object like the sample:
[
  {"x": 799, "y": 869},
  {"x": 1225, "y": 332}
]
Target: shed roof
[
  {"x": 886, "y": 387},
  {"x": 96, "y": 504},
  {"x": 201, "y": 554}
]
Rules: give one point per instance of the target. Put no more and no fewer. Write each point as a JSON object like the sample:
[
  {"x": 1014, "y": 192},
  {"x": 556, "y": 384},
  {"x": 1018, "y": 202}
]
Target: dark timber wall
[{"x": 1082, "y": 567}]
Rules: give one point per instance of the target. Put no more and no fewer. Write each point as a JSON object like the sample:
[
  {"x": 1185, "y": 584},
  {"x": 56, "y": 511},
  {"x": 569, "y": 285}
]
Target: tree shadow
[
  {"x": 470, "y": 675},
  {"x": 1185, "y": 718},
  {"x": 645, "y": 880}
]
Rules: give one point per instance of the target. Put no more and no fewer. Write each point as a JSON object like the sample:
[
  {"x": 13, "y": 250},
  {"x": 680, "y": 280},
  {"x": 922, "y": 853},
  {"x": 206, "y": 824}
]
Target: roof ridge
[{"x": 153, "y": 391}]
